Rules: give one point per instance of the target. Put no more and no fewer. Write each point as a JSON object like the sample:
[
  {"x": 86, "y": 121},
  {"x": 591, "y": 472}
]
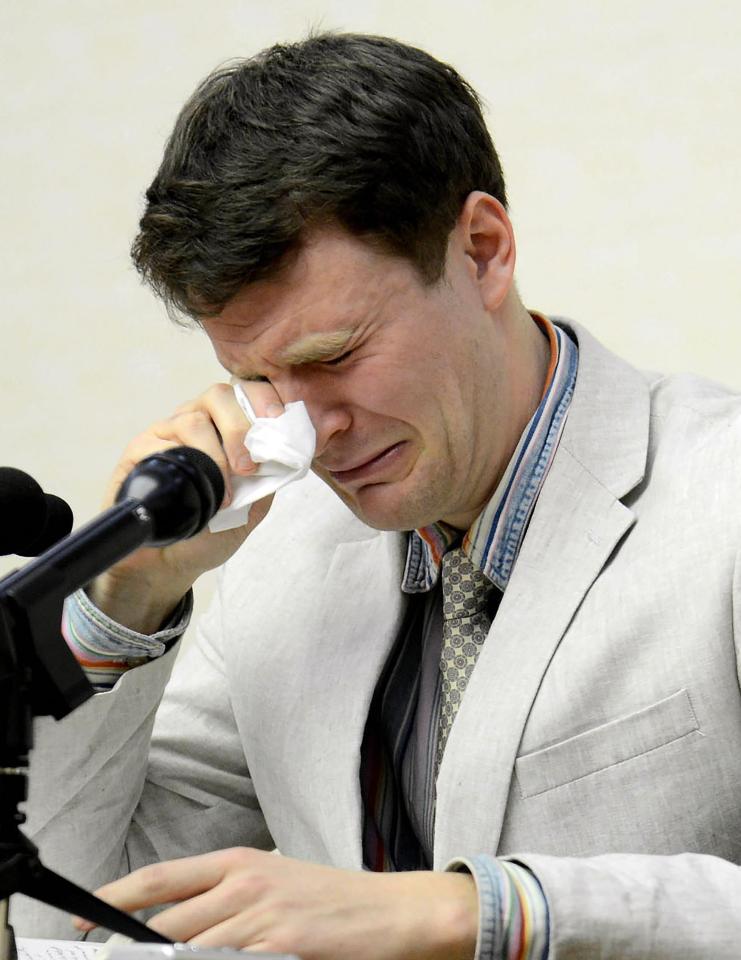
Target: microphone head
[
  {"x": 59, "y": 521},
  {"x": 30, "y": 520},
  {"x": 181, "y": 488},
  {"x": 22, "y": 510}
]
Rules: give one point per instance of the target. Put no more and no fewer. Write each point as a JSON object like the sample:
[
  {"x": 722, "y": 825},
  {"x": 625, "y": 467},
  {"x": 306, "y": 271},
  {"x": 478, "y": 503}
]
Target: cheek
[{"x": 394, "y": 390}]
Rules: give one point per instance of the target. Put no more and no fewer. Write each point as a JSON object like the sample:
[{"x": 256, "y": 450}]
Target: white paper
[
  {"x": 30, "y": 948},
  {"x": 282, "y": 446}
]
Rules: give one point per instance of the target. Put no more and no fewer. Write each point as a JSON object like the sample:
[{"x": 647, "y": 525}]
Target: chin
[{"x": 389, "y": 511}]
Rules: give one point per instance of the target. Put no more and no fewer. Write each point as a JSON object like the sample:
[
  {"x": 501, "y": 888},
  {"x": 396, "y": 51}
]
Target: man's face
[{"x": 405, "y": 383}]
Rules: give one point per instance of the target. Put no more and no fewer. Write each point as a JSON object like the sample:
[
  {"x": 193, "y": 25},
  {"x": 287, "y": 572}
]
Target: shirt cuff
[
  {"x": 106, "y": 649},
  {"x": 513, "y": 910}
]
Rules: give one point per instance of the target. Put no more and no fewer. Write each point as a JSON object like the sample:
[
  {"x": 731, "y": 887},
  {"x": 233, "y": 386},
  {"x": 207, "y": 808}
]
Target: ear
[{"x": 488, "y": 241}]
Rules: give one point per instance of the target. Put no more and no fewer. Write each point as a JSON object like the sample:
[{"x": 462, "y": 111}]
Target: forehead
[{"x": 337, "y": 282}]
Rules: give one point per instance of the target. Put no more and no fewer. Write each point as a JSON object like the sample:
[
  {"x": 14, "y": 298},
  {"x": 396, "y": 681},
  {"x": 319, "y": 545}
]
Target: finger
[
  {"x": 264, "y": 401},
  {"x": 263, "y": 397},
  {"x": 255, "y": 928},
  {"x": 230, "y": 422},
  {"x": 191, "y": 429},
  {"x": 239, "y": 932},
  {"x": 216, "y": 910},
  {"x": 167, "y": 882}
]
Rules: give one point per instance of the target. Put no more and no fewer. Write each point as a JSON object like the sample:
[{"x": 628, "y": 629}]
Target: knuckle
[
  {"x": 144, "y": 443},
  {"x": 235, "y": 430},
  {"x": 235, "y": 857},
  {"x": 220, "y": 390},
  {"x": 245, "y": 888},
  {"x": 151, "y": 879},
  {"x": 155, "y": 436},
  {"x": 194, "y": 419}
]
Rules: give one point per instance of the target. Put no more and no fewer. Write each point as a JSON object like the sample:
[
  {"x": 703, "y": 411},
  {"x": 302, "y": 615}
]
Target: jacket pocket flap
[{"x": 606, "y": 745}]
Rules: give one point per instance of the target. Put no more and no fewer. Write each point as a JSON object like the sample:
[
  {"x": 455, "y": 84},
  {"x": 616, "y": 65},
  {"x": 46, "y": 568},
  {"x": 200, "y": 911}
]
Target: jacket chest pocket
[{"x": 607, "y": 745}]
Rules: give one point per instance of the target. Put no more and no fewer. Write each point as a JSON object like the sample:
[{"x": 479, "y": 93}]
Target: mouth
[{"x": 371, "y": 470}]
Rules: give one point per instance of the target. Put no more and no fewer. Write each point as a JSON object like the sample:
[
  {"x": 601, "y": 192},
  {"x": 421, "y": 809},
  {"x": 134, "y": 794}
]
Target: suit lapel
[
  {"x": 362, "y": 611},
  {"x": 577, "y": 523}
]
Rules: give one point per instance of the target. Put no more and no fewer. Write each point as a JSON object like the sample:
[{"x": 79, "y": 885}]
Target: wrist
[
  {"x": 439, "y": 911},
  {"x": 134, "y": 601},
  {"x": 458, "y": 925}
]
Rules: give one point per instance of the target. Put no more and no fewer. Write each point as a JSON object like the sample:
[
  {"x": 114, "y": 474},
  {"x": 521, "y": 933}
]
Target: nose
[
  {"x": 328, "y": 425},
  {"x": 328, "y": 412}
]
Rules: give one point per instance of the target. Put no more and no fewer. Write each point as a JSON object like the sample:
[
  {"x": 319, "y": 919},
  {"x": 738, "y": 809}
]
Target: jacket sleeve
[
  {"x": 120, "y": 783},
  {"x": 638, "y": 907}
]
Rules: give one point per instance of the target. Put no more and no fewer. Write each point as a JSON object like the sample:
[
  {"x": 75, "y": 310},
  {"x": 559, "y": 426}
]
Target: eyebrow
[{"x": 316, "y": 347}]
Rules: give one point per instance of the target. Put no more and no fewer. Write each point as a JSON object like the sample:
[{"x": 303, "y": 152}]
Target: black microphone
[
  {"x": 167, "y": 497},
  {"x": 30, "y": 520}
]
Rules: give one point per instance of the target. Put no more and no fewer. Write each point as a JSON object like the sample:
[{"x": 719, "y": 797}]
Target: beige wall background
[{"x": 618, "y": 125}]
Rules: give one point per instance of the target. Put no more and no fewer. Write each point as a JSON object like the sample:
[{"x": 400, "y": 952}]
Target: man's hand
[
  {"x": 141, "y": 590},
  {"x": 257, "y": 900}
]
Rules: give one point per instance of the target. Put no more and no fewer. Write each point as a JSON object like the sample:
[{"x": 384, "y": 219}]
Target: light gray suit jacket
[{"x": 600, "y": 736}]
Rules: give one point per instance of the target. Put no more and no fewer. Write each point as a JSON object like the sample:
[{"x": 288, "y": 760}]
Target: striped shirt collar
[{"x": 493, "y": 541}]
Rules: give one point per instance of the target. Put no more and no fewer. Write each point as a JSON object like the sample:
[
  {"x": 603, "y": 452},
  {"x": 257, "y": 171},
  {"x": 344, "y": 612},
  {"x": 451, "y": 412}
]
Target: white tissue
[{"x": 282, "y": 446}]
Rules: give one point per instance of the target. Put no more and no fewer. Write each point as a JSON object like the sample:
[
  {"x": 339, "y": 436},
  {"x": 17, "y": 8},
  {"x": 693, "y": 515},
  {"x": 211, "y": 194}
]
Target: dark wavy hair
[{"x": 361, "y": 131}]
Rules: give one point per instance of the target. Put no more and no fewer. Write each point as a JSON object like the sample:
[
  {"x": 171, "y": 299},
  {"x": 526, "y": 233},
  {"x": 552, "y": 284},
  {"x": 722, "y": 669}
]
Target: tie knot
[{"x": 466, "y": 589}]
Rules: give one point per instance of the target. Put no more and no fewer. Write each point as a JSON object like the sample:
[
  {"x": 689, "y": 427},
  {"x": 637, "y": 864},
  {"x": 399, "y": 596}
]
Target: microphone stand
[{"x": 39, "y": 676}]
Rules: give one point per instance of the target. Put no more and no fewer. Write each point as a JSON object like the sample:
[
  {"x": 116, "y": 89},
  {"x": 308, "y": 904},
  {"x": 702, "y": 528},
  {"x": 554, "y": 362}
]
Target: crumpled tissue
[{"x": 282, "y": 446}]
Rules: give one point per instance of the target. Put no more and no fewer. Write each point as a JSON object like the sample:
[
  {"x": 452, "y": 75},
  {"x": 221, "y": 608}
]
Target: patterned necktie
[{"x": 466, "y": 623}]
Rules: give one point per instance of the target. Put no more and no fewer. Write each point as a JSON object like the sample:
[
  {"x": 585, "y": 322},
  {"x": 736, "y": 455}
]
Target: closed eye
[
  {"x": 250, "y": 378},
  {"x": 335, "y": 361}
]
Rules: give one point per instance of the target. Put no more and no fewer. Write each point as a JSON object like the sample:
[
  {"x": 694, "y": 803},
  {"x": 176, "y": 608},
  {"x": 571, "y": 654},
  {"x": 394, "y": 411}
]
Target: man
[{"x": 499, "y": 637}]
